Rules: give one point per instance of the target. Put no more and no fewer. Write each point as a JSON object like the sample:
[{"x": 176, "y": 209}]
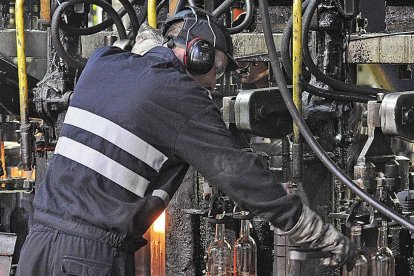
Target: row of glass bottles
[
  {"x": 382, "y": 262},
  {"x": 244, "y": 253}
]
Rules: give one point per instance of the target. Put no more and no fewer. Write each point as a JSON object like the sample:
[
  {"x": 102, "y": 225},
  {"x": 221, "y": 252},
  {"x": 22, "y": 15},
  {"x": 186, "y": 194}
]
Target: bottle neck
[
  {"x": 244, "y": 228},
  {"x": 220, "y": 231},
  {"x": 382, "y": 236}
]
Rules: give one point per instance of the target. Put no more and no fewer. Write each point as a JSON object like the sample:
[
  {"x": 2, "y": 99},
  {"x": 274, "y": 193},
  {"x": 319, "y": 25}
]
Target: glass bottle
[
  {"x": 245, "y": 252},
  {"x": 382, "y": 260},
  {"x": 219, "y": 254},
  {"x": 361, "y": 263}
]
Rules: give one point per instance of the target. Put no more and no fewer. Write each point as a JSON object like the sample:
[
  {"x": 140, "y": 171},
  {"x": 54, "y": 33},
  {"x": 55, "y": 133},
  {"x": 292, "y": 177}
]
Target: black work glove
[{"x": 311, "y": 230}]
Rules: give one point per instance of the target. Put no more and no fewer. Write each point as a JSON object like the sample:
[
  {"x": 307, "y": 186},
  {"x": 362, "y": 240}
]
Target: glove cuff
[{"x": 306, "y": 211}]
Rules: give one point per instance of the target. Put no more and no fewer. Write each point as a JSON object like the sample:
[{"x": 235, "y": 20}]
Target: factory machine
[{"x": 324, "y": 95}]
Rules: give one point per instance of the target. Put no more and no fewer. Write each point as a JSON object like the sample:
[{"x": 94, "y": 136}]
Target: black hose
[
  {"x": 336, "y": 95},
  {"x": 382, "y": 208},
  {"x": 96, "y": 28},
  {"x": 326, "y": 93},
  {"x": 222, "y": 8},
  {"x": 132, "y": 16},
  {"x": 160, "y": 4},
  {"x": 143, "y": 13},
  {"x": 60, "y": 50},
  {"x": 246, "y": 21},
  {"x": 307, "y": 58},
  {"x": 286, "y": 42}
]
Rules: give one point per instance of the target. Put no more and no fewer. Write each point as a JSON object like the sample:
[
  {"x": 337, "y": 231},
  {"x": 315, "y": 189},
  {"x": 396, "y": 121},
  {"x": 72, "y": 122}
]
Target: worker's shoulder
[{"x": 105, "y": 51}]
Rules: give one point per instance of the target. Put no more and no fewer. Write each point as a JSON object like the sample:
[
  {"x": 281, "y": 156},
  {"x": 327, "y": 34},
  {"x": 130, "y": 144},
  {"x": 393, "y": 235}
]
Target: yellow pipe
[
  {"x": 297, "y": 62},
  {"x": 23, "y": 90},
  {"x": 152, "y": 13},
  {"x": 21, "y": 60}
]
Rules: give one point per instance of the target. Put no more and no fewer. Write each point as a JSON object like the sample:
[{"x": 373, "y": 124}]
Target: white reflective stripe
[
  {"x": 116, "y": 135},
  {"x": 163, "y": 195},
  {"x": 102, "y": 164}
]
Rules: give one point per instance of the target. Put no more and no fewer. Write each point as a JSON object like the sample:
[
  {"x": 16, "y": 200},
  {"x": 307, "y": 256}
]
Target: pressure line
[
  {"x": 103, "y": 25},
  {"x": 313, "y": 68},
  {"x": 60, "y": 50},
  {"x": 317, "y": 91},
  {"x": 246, "y": 21}
]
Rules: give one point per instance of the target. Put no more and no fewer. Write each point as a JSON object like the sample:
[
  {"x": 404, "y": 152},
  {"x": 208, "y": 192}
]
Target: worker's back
[{"x": 114, "y": 165}]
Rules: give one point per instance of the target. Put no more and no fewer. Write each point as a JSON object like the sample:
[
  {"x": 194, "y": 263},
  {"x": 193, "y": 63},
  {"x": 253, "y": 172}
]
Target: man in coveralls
[{"x": 134, "y": 125}]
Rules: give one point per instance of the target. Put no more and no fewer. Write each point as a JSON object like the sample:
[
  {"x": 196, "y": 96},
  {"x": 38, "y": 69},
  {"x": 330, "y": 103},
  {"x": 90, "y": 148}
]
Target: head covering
[{"x": 199, "y": 23}]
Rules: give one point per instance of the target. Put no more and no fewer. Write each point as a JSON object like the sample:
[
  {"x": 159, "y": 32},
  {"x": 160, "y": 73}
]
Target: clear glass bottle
[
  {"x": 245, "y": 252},
  {"x": 382, "y": 260},
  {"x": 219, "y": 254},
  {"x": 361, "y": 263}
]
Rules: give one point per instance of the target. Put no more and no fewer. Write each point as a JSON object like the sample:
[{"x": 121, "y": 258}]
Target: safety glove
[{"x": 311, "y": 230}]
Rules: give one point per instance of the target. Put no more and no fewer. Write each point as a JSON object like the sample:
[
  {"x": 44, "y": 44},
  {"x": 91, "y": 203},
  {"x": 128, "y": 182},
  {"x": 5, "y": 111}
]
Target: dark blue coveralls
[{"x": 134, "y": 125}]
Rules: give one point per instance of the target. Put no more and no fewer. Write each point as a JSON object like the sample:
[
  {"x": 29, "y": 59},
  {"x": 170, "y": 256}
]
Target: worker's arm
[{"x": 206, "y": 144}]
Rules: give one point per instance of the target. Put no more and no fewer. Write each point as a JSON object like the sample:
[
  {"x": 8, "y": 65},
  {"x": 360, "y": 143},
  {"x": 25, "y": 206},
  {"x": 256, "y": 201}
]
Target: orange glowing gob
[{"x": 159, "y": 224}]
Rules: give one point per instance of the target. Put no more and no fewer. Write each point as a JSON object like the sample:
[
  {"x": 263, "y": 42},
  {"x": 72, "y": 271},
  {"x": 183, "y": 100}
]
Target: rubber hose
[
  {"x": 286, "y": 42},
  {"x": 94, "y": 29},
  {"x": 143, "y": 13},
  {"x": 326, "y": 93},
  {"x": 307, "y": 58},
  {"x": 336, "y": 95},
  {"x": 60, "y": 50},
  {"x": 132, "y": 16},
  {"x": 222, "y": 8},
  {"x": 307, "y": 135},
  {"x": 160, "y": 4},
  {"x": 246, "y": 21}
]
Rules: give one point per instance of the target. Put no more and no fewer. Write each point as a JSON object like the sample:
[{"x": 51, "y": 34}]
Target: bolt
[
  {"x": 380, "y": 96},
  {"x": 409, "y": 116}
]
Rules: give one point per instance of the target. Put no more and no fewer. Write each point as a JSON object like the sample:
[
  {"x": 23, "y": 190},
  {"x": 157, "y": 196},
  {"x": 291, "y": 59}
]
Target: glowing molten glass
[{"x": 159, "y": 224}]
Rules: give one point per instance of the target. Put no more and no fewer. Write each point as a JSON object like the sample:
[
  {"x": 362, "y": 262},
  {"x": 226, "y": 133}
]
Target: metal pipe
[
  {"x": 222, "y": 8},
  {"x": 152, "y": 13},
  {"x": 297, "y": 62},
  {"x": 23, "y": 89},
  {"x": 297, "y": 147},
  {"x": 45, "y": 10}
]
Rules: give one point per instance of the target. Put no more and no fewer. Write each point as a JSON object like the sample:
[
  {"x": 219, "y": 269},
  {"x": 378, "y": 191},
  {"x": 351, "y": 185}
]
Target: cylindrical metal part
[
  {"x": 152, "y": 13},
  {"x": 285, "y": 158},
  {"x": 109, "y": 40},
  {"x": 403, "y": 170},
  {"x": 45, "y": 11},
  {"x": 23, "y": 89},
  {"x": 297, "y": 62},
  {"x": 391, "y": 170},
  {"x": 297, "y": 162}
]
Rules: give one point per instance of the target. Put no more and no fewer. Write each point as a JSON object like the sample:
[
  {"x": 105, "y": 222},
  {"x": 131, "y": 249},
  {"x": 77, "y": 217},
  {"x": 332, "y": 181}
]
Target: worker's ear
[{"x": 124, "y": 44}]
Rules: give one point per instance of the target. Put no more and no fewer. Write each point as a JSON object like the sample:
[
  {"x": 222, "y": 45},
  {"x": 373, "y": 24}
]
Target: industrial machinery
[{"x": 324, "y": 94}]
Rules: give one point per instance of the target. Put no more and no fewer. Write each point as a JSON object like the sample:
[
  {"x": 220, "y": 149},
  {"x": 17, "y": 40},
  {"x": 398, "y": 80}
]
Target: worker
[{"x": 134, "y": 125}]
